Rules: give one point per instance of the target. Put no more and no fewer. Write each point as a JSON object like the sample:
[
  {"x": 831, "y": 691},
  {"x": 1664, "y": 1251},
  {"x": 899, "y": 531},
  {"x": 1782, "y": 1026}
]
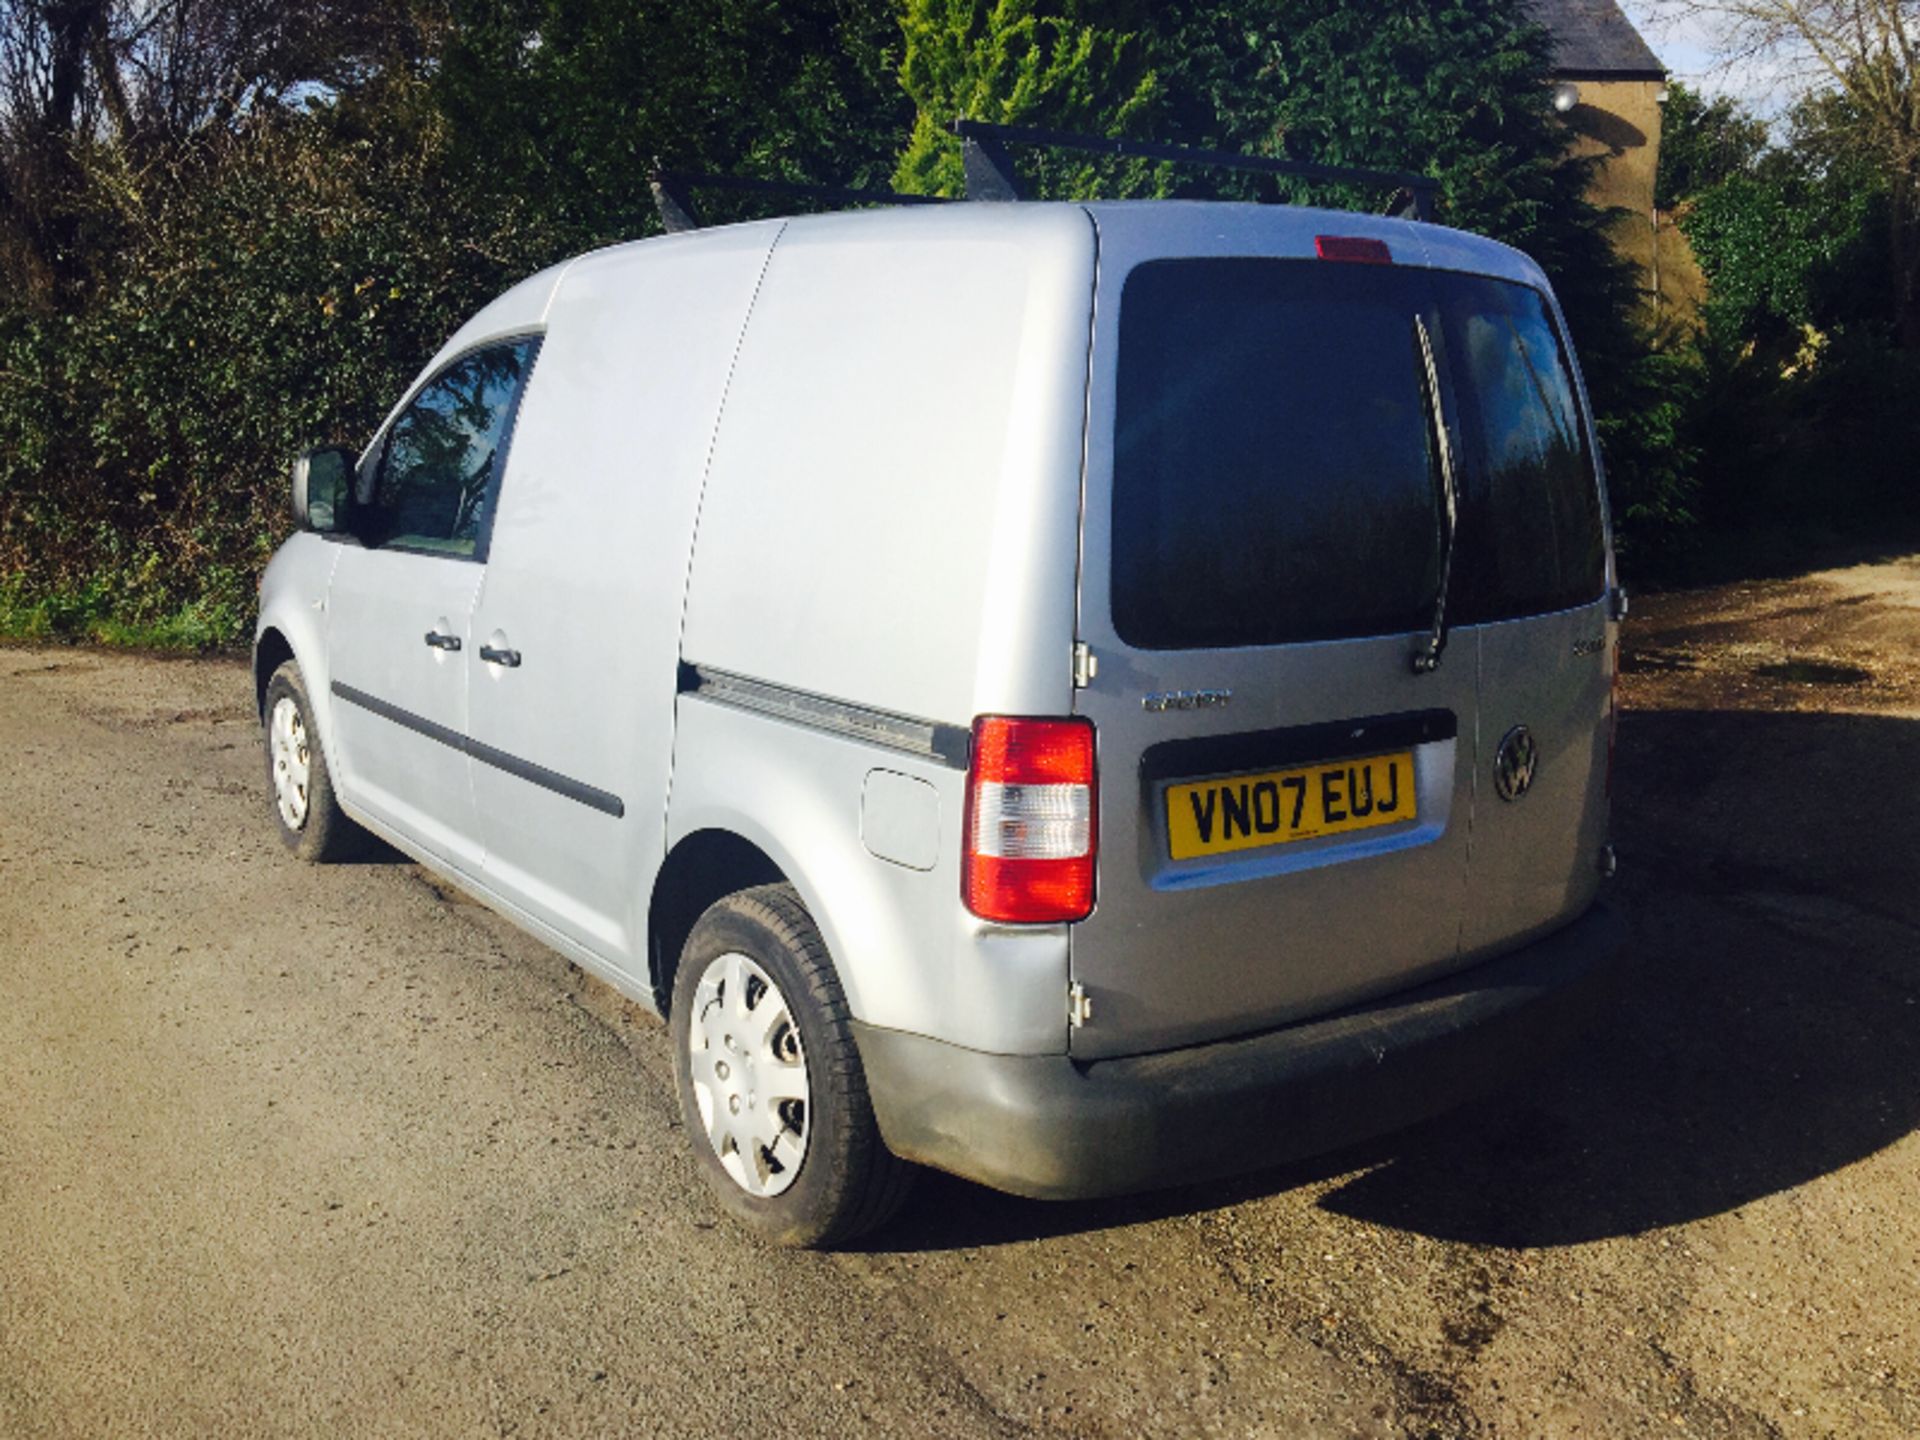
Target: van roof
[
  {"x": 1149, "y": 224},
  {"x": 1170, "y": 227},
  {"x": 1293, "y": 229}
]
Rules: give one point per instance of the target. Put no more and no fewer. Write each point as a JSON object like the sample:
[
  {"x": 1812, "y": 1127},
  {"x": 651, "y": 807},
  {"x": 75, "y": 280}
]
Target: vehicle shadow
[
  {"x": 370, "y": 849},
  {"x": 1765, "y": 1031}
]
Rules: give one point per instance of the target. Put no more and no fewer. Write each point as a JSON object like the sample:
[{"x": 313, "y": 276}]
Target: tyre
[
  {"x": 311, "y": 822},
  {"x": 771, "y": 1089}
]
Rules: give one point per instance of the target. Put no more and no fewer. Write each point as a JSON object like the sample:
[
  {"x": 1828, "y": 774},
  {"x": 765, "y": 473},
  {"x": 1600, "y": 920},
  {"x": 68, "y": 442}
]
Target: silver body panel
[
  {"x": 909, "y": 955},
  {"x": 293, "y": 604},
  {"x": 382, "y": 606},
  {"x": 891, "y": 514},
  {"x": 1536, "y": 859},
  {"x": 845, "y": 455},
  {"x": 588, "y": 571},
  {"x": 1183, "y": 951}
]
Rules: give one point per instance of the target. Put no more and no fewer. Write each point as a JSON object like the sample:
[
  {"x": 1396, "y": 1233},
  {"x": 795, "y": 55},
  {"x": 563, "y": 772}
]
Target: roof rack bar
[
  {"x": 985, "y": 153},
  {"x": 989, "y": 169},
  {"x": 671, "y": 198}
]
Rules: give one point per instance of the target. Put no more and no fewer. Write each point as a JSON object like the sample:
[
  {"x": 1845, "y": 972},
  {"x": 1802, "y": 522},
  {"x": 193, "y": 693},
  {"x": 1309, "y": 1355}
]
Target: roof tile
[{"x": 1593, "y": 37}]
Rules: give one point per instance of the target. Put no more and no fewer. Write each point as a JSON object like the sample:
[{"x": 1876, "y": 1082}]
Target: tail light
[{"x": 1030, "y": 821}]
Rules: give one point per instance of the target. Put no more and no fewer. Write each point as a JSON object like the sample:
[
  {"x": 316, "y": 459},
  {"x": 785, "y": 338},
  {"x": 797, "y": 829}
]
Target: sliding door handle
[
  {"x": 442, "y": 642},
  {"x": 508, "y": 658}
]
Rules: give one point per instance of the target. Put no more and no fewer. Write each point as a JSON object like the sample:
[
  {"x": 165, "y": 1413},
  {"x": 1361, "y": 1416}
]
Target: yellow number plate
[{"x": 1243, "y": 812}]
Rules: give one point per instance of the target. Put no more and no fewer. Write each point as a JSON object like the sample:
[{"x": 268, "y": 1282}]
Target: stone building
[{"x": 1611, "y": 85}]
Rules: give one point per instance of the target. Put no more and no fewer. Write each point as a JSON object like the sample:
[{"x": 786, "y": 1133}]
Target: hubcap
[
  {"x": 749, "y": 1075},
  {"x": 292, "y": 761}
]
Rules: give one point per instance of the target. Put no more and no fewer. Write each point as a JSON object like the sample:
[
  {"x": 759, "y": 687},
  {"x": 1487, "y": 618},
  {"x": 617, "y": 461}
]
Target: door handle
[
  {"x": 442, "y": 642},
  {"x": 508, "y": 658}
]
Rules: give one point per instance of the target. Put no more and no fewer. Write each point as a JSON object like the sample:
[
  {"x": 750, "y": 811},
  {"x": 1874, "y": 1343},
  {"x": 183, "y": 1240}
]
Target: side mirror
[{"x": 322, "y": 489}]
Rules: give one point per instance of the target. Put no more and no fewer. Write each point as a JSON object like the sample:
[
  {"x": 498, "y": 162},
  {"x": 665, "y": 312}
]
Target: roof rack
[
  {"x": 990, "y": 173},
  {"x": 672, "y": 199}
]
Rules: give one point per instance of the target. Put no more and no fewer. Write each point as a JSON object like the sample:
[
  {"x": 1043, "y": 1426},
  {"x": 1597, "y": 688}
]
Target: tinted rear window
[
  {"x": 1531, "y": 538},
  {"x": 1273, "y": 471}
]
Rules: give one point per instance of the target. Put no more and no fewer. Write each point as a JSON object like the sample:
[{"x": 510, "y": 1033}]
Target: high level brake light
[
  {"x": 1354, "y": 249},
  {"x": 1029, "y": 854}
]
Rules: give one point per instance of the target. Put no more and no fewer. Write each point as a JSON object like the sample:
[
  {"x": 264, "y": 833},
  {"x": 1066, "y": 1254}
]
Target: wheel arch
[
  {"x": 292, "y": 625},
  {"x": 271, "y": 650},
  {"x": 702, "y": 868},
  {"x": 274, "y": 645}
]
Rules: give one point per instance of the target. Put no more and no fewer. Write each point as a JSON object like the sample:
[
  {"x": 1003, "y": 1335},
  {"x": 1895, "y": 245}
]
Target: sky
[{"x": 1687, "y": 47}]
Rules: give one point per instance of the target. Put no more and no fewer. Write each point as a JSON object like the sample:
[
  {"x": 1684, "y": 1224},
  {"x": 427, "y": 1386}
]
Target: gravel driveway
[{"x": 290, "y": 1150}]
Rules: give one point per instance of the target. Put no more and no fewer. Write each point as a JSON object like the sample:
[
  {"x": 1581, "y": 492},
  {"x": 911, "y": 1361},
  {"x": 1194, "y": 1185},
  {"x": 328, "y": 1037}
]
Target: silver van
[{"x": 1082, "y": 696}]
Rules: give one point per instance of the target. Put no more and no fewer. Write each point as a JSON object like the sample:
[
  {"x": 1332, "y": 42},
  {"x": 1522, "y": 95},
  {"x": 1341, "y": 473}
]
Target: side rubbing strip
[
  {"x": 546, "y": 779},
  {"x": 394, "y": 713},
  {"x": 929, "y": 738},
  {"x": 533, "y": 774}
]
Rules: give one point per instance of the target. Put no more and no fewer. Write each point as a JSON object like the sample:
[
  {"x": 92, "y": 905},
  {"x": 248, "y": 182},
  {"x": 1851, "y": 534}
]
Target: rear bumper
[{"x": 1054, "y": 1128}]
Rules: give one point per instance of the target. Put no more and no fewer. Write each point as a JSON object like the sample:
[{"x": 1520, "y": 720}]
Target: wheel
[
  {"x": 311, "y": 822},
  {"x": 771, "y": 1088}
]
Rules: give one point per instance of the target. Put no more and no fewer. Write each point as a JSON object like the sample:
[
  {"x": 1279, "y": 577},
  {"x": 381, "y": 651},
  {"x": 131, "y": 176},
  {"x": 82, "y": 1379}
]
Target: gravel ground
[{"x": 291, "y": 1150}]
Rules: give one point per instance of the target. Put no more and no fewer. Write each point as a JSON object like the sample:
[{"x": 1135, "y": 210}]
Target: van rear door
[
  {"x": 1530, "y": 599},
  {"x": 1284, "y": 801}
]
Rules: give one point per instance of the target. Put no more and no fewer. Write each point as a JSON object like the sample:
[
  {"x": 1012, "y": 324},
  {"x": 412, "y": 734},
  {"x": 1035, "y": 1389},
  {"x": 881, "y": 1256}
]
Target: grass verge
[{"x": 95, "y": 613}]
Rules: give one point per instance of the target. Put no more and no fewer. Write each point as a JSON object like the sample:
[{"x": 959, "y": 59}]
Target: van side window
[
  {"x": 1532, "y": 539},
  {"x": 1274, "y": 477},
  {"x": 438, "y": 473}
]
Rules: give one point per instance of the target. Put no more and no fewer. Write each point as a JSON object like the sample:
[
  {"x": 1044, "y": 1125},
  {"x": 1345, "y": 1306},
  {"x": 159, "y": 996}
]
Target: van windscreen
[{"x": 1274, "y": 469}]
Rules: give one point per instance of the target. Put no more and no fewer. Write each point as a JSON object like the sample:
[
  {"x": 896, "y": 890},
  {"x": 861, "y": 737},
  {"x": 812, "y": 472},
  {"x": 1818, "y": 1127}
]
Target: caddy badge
[
  {"x": 1186, "y": 699},
  {"x": 1513, "y": 763}
]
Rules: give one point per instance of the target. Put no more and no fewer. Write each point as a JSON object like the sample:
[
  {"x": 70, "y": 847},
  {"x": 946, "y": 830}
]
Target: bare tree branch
[
  {"x": 96, "y": 88},
  {"x": 1865, "y": 50}
]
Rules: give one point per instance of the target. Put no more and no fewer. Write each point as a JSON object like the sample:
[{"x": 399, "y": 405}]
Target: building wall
[
  {"x": 1683, "y": 288},
  {"x": 1619, "y": 121}
]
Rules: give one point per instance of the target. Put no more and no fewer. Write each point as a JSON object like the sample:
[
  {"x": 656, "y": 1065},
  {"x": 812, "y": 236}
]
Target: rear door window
[
  {"x": 1274, "y": 467},
  {"x": 1531, "y": 537}
]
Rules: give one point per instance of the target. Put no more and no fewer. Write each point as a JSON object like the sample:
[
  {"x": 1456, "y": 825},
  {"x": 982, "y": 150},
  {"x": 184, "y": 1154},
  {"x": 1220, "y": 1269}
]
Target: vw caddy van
[{"x": 1081, "y": 696}]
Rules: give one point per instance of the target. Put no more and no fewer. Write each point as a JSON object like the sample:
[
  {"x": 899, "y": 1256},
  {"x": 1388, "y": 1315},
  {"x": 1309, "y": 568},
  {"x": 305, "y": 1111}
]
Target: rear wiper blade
[{"x": 1426, "y": 658}]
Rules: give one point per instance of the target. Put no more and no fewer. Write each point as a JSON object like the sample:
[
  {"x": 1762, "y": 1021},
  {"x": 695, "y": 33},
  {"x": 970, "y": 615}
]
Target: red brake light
[
  {"x": 1029, "y": 827},
  {"x": 1354, "y": 249}
]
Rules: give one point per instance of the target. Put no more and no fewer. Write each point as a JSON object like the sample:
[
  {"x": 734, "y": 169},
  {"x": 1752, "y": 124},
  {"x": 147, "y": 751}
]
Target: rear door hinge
[
  {"x": 1085, "y": 665},
  {"x": 1079, "y": 1005}
]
